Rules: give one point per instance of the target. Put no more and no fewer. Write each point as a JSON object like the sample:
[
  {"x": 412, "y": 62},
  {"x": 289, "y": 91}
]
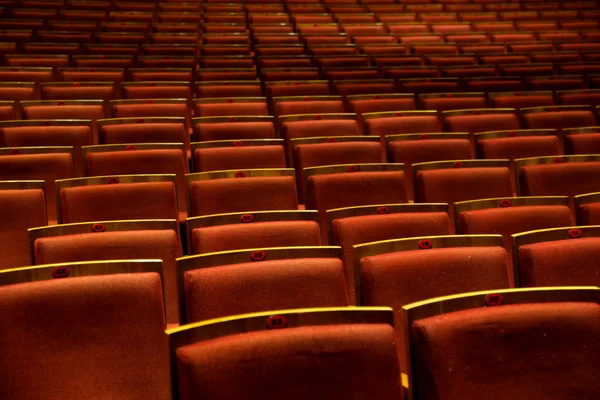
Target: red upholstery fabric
[
  {"x": 580, "y": 98},
  {"x": 229, "y": 91},
  {"x": 217, "y": 196},
  {"x": 143, "y": 133},
  {"x": 270, "y": 285},
  {"x": 590, "y": 214},
  {"x": 457, "y": 103},
  {"x": 159, "y": 244},
  {"x": 313, "y": 155},
  {"x": 348, "y": 232},
  {"x": 306, "y": 362},
  {"x": 571, "y": 262},
  {"x": 224, "y": 158},
  {"x": 163, "y": 161},
  {"x": 300, "y": 129},
  {"x": 146, "y": 200},
  {"x": 380, "y": 105},
  {"x": 109, "y": 327},
  {"x": 309, "y": 107},
  {"x": 519, "y": 147},
  {"x": 17, "y": 93},
  {"x": 46, "y": 167},
  {"x": 458, "y": 184},
  {"x": 151, "y": 110},
  {"x": 7, "y": 113},
  {"x": 255, "y": 235},
  {"x": 346, "y": 89},
  {"x": 234, "y": 130},
  {"x": 559, "y": 119},
  {"x": 304, "y": 89},
  {"x": 329, "y": 191},
  {"x": 554, "y": 343},
  {"x": 522, "y": 100},
  {"x": 482, "y": 123},
  {"x": 231, "y": 109},
  {"x": 583, "y": 144},
  {"x": 19, "y": 211},
  {"x": 79, "y": 92},
  {"x": 92, "y": 76},
  {"x": 416, "y": 151},
  {"x": 92, "y": 112},
  {"x": 568, "y": 179},
  {"x": 17, "y": 75},
  {"x": 403, "y": 124},
  {"x": 156, "y": 92}
]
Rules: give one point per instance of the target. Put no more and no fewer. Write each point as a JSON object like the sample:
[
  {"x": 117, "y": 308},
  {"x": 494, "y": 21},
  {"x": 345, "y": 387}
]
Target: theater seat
[
  {"x": 518, "y": 143},
  {"x": 481, "y": 120},
  {"x": 587, "y": 209},
  {"x": 353, "y": 226},
  {"x": 227, "y": 283},
  {"x": 233, "y": 128},
  {"x": 321, "y": 346},
  {"x": 399, "y": 122},
  {"x": 584, "y": 140},
  {"x": 534, "y": 335},
  {"x": 105, "y": 299},
  {"x": 237, "y": 154},
  {"x": 116, "y": 240}
]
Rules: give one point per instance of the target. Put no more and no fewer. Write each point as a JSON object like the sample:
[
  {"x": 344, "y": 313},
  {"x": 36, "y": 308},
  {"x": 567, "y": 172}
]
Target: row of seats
[{"x": 322, "y": 353}]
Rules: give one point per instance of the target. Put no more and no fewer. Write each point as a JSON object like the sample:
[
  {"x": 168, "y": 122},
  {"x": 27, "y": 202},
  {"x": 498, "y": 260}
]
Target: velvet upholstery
[
  {"x": 19, "y": 211},
  {"x": 559, "y": 119},
  {"x": 317, "y": 362},
  {"x": 403, "y": 124},
  {"x": 107, "y": 331},
  {"x": 361, "y": 106},
  {"x": 256, "y": 235},
  {"x": 262, "y": 286},
  {"x": 223, "y": 90},
  {"x": 564, "y": 179},
  {"x": 452, "y": 103},
  {"x": 348, "y": 232},
  {"x": 309, "y": 107},
  {"x": 217, "y": 196},
  {"x": 521, "y": 100},
  {"x": 545, "y": 351},
  {"x": 144, "y": 200},
  {"x": 319, "y": 128},
  {"x": 234, "y": 130},
  {"x": 589, "y": 214},
  {"x": 571, "y": 262},
  {"x": 519, "y": 147},
  {"x": 248, "y": 157},
  {"x": 416, "y": 151},
  {"x": 78, "y": 92},
  {"x": 329, "y": 191},
  {"x": 47, "y": 167},
  {"x": 231, "y": 109},
  {"x": 157, "y": 92},
  {"x": 142, "y": 133},
  {"x": 588, "y": 143}
]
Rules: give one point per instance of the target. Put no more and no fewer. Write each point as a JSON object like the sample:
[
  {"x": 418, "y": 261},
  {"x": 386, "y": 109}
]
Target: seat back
[
  {"x": 520, "y": 143},
  {"x": 238, "y": 154},
  {"x": 106, "y": 299}
]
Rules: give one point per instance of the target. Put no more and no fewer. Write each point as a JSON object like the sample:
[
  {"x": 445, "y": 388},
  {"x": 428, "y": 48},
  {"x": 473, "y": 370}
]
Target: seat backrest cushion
[{"x": 568, "y": 179}]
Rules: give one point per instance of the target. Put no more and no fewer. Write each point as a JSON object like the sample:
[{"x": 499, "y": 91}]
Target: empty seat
[
  {"x": 558, "y": 117},
  {"x": 297, "y": 88},
  {"x": 91, "y": 74},
  {"x": 238, "y": 154},
  {"x": 337, "y": 186},
  {"x": 232, "y": 106},
  {"x": 521, "y": 99},
  {"x": 369, "y": 103},
  {"x": 143, "y": 130},
  {"x": 430, "y": 85},
  {"x": 232, "y": 128},
  {"x": 518, "y": 143},
  {"x": 105, "y": 298},
  {"x": 17, "y": 91},
  {"x": 576, "y": 97},
  {"x": 38, "y": 163},
  {"x": 504, "y": 325},
  {"x": 256, "y": 229},
  {"x": 399, "y": 122},
  {"x": 566, "y": 256},
  {"x": 315, "y": 152},
  {"x": 510, "y": 215},
  {"x": 156, "y": 90},
  {"x": 140, "y": 158},
  {"x": 329, "y": 342},
  {"x": 452, "y": 181},
  {"x": 452, "y": 101},
  {"x": 296, "y": 105},
  {"x": 23, "y": 206},
  {"x": 481, "y": 120},
  {"x": 287, "y": 278},
  {"x": 117, "y": 197},
  {"x": 77, "y": 91},
  {"x": 241, "y": 190},
  {"x": 353, "y": 226},
  {"x": 213, "y": 89},
  {"x": 26, "y": 74},
  {"x": 289, "y": 74},
  {"x": 587, "y": 209},
  {"x": 161, "y": 74},
  {"x": 151, "y": 108},
  {"x": 582, "y": 140},
  {"x": 106, "y": 240},
  {"x": 369, "y": 86},
  {"x": 558, "y": 175}
]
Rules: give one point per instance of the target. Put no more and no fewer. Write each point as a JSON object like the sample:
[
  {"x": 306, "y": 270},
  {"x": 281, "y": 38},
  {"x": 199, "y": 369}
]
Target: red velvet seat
[
  {"x": 242, "y": 106},
  {"x": 38, "y": 163},
  {"x": 91, "y": 74},
  {"x": 232, "y": 128},
  {"x": 481, "y": 120},
  {"x": 122, "y": 240},
  {"x": 212, "y": 89},
  {"x": 430, "y": 85},
  {"x": 399, "y": 122},
  {"x": 279, "y": 228},
  {"x": 565, "y": 256},
  {"x": 558, "y": 176},
  {"x": 494, "y": 84},
  {"x": 286, "y": 278},
  {"x": 13, "y": 91},
  {"x": 297, "y": 88},
  {"x": 156, "y": 90},
  {"x": 117, "y": 198},
  {"x": 582, "y": 140},
  {"x": 238, "y": 154},
  {"x": 521, "y": 99},
  {"x": 370, "y": 103},
  {"x": 78, "y": 91},
  {"x": 518, "y": 144},
  {"x": 143, "y": 130},
  {"x": 322, "y": 347},
  {"x": 242, "y": 190},
  {"x": 115, "y": 323},
  {"x": 289, "y": 74},
  {"x": 510, "y": 333},
  {"x": 587, "y": 209},
  {"x": 576, "y": 97},
  {"x": 365, "y": 224},
  {"x": 332, "y": 187},
  {"x": 296, "y": 105},
  {"x": 452, "y": 101},
  {"x": 22, "y": 206},
  {"x": 133, "y": 159},
  {"x": 161, "y": 74},
  {"x": 141, "y": 108}
]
